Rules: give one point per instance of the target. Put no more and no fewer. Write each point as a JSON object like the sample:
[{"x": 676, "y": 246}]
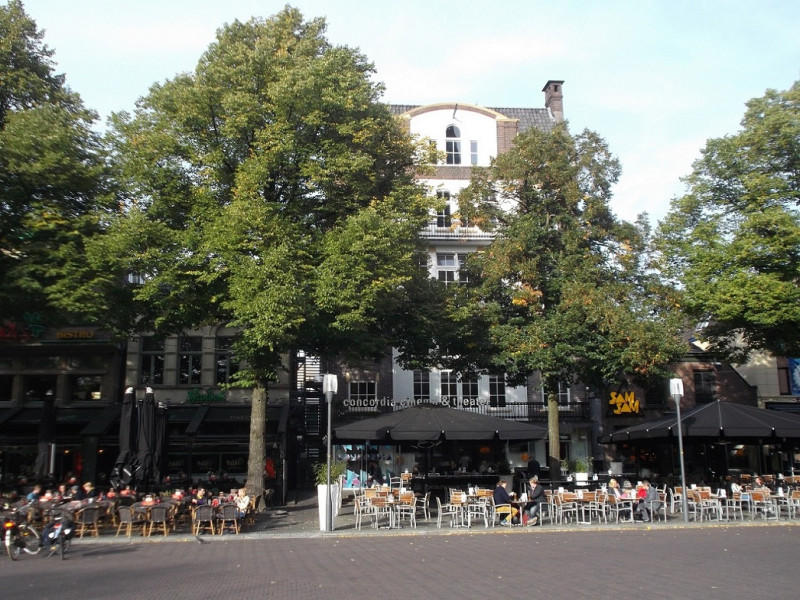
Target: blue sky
[{"x": 656, "y": 79}]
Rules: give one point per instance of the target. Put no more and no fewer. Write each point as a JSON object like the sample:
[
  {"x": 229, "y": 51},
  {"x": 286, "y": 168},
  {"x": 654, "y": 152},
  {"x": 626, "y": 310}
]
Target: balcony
[{"x": 455, "y": 232}]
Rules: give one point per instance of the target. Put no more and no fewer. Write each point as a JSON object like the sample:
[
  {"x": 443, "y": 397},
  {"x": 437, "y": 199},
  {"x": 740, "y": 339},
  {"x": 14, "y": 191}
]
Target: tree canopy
[
  {"x": 732, "y": 242},
  {"x": 53, "y": 184},
  {"x": 269, "y": 190},
  {"x": 565, "y": 290}
]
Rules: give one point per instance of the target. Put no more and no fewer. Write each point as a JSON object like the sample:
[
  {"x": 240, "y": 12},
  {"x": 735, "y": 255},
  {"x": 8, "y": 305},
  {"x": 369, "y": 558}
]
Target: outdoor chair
[
  {"x": 228, "y": 517},
  {"x": 447, "y": 510},
  {"x": 129, "y": 519},
  {"x": 87, "y": 519},
  {"x": 422, "y": 505},
  {"x": 204, "y": 519},
  {"x": 158, "y": 517}
]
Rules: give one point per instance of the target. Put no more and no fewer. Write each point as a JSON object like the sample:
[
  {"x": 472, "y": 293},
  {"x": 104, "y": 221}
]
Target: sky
[{"x": 655, "y": 79}]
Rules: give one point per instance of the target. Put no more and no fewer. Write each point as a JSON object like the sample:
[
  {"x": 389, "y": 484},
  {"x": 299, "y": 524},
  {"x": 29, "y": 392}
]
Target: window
[
  {"x": 443, "y": 216},
  {"x": 469, "y": 388},
  {"x": 227, "y": 364},
  {"x": 363, "y": 391},
  {"x": 563, "y": 394},
  {"x": 705, "y": 385},
  {"x": 453, "y": 145},
  {"x": 422, "y": 385},
  {"x": 36, "y": 387},
  {"x": 497, "y": 390},
  {"x": 85, "y": 388},
  {"x": 473, "y": 152},
  {"x": 449, "y": 386},
  {"x": 190, "y": 359},
  {"x": 784, "y": 376},
  {"x": 151, "y": 371},
  {"x": 448, "y": 265}
]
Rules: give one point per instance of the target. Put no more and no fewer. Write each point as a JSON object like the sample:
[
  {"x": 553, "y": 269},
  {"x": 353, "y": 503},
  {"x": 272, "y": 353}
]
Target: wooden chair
[
  {"x": 228, "y": 516},
  {"x": 87, "y": 519},
  {"x": 363, "y": 508},
  {"x": 203, "y": 519},
  {"x": 158, "y": 517},
  {"x": 129, "y": 519},
  {"x": 447, "y": 510}
]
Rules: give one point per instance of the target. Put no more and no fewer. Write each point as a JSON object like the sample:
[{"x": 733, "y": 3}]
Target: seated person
[
  {"x": 613, "y": 490},
  {"x": 649, "y": 504},
  {"x": 536, "y": 497},
  {"x": 501, "y": 496},
  {"x": 242, "y": 502}
]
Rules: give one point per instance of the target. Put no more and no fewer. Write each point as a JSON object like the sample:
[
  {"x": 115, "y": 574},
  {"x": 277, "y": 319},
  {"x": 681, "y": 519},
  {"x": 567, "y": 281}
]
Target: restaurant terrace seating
[
  {"x": 87, "y": 519},
  {"x": 203, "y": 519},
  {"x": 129, "y": 520},
  {"x": 158, "y": 518}
]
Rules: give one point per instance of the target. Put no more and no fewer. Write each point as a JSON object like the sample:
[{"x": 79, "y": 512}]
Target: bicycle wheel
[
  {"x": 64, "y": 546},
  {"x": 13, "y": 549},
  {"x": 30, "y": 539}
]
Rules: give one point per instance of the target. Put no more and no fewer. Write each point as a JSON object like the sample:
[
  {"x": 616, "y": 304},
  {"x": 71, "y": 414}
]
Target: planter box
[{"x": 324, "y": 508}]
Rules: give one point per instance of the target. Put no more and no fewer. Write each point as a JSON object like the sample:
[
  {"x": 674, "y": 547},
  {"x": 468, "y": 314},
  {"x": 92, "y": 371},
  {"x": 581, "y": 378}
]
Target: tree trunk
[
  {"x": 553, "y": 435},
  {"x": 257, "y": 454}
]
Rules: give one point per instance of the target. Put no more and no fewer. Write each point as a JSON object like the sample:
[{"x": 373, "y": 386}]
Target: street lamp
[
  {"x": 676, "y": 391},
  {"x": 329, "y": 386}
]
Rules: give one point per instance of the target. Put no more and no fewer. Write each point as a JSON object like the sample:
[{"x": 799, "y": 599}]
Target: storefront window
[
  {"x": 6, "y": 387},
  {"x": 36, "y": 387}
]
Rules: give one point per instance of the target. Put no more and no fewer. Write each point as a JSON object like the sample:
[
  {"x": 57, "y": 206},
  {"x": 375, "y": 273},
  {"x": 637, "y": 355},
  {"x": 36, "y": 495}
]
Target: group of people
[
  {"x": 645, "y": 500},
  {"x": 240, "y": 498}
]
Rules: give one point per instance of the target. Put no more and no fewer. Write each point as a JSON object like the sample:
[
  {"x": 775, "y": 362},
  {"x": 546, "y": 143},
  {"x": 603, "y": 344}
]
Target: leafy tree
[
  {"x": 52, "y": 173},
  {"x": 270, "y": 190},
  {"x": 564, "y": 292},
  {"x": 733, "y": 241}
]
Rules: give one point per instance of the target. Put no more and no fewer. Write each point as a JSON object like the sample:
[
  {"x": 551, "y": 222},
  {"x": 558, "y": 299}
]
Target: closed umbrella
[
  {"x": 160, "y": 441},
  {"x": 124, "y": 465},
  {"x": 430, "y": 422},
  {"x": 146, "y": 438},
  {"x": 47, "y": 427}
]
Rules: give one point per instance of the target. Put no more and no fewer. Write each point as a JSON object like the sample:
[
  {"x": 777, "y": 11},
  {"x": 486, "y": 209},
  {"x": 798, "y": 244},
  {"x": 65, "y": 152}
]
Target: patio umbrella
[
  {"x": 717, "y": 420},
  {"x": 146, "y": 439},
  {"x": 124, "y": 465},
  {"x": 430, "y": 422},
  {"x": 159, "y": 441}
]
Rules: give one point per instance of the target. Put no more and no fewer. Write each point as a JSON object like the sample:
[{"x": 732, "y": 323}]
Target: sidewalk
[{"x": 300, "y": 519}]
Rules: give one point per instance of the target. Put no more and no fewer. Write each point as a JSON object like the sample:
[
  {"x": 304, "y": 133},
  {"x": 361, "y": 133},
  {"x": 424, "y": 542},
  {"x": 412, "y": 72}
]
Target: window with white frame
[
  {"x": 453, "y": 145},
  {"x": 443, "y": 217},
  {"x": 497, "y": 390},
  {"x": 422, "y": 385},
  {"x": 190, "y": 358},
  {"x": 151, "y": 371},
  {"x": 469, "y": 388},
  {"x": 473, "y": 152},
  {"x": 226, "y": 363},
  {"x": 448, "y": 265},
  {"x": 449, "y": 386},
  {"x": 564, "y": 396}
]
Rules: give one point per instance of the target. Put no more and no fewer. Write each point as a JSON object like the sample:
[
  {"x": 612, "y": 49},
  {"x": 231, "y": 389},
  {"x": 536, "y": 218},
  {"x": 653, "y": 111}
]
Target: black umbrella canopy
[
  {"x": 146, "y": 443},
  {"x": 717, "y": 420},
  {"x": 428, "y": 422},
  {"x": 124, "y": 465}
]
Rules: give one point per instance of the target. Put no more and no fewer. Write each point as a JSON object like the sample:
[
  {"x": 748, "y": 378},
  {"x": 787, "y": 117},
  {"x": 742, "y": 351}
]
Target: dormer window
[{"x": 453, "y": 145}]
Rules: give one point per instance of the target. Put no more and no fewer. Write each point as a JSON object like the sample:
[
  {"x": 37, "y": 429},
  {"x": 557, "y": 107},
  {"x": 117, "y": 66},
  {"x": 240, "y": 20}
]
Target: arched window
[{"x": 453, "y": 145}]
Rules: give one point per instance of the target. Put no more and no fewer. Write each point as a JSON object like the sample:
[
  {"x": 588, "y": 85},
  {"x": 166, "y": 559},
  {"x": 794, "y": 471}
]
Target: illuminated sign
[{"x": 624, "y": 403}]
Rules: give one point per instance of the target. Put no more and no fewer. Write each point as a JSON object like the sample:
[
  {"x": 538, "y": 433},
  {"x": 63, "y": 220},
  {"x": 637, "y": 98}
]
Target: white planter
[
  {"x": 581, "y": 477},
  {"x": 324, "y": 507}
]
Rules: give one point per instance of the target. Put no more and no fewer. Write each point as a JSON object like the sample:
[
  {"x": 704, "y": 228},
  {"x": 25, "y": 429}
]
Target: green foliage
[
  {"x": 52, "y": 176},
  {"x": 338, "y": 469},
  {"x": 732, "y": 243}
]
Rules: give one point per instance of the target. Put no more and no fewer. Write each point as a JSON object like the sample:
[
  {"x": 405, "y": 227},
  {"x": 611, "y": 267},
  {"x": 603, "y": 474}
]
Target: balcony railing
[{"x": 455, "y": 231}]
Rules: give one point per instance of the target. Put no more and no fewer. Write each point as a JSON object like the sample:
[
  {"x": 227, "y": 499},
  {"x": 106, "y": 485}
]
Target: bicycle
[
  {"x": 19, "y": 536},
  {"x": 58, "y": 533}
]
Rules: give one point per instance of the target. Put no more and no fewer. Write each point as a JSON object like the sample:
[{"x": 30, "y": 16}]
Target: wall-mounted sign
[{"x": 624, "y": 403}]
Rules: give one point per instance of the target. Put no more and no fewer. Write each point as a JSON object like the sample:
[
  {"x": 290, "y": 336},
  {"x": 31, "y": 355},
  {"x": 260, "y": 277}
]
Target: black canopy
[
  {"x": 429, "y": 422},
  {"x": 717, "y": 420},
  {"x": 146, "y": 443},
  {"x": 124, "y": 465}
]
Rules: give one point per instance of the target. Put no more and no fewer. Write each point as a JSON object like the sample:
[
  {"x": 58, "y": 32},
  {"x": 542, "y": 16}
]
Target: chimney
[{"x": 554, "y": 99}]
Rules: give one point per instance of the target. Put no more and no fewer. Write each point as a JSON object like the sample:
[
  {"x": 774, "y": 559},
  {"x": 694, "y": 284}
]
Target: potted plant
[
  {"x": 338, "y": 471},
  {"x": 581, "y": 468}
]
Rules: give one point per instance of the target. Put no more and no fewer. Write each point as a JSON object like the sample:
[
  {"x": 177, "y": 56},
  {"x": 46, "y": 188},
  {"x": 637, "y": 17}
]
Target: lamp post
[
  {"x": 676, "y": 390},
  {"x": 329, "y": 387}
]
